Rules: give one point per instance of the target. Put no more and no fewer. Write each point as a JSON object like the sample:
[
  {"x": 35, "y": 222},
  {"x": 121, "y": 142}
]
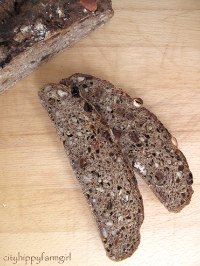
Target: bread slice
[
  {"x": 105, "y": 178},
  {"x": 31, "y": 32},
  {"x": 148, "y": 146}
]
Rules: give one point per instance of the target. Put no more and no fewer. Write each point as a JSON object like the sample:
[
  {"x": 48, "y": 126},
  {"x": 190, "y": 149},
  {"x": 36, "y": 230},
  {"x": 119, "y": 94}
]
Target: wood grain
[{"x": 151, "y": 49}]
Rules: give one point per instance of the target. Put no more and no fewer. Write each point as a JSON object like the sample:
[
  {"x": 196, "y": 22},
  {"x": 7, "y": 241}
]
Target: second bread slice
[{"x": 148, "y": 146}]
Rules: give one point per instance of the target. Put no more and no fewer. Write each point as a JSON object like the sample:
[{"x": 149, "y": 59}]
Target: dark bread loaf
[
  {"x": 33, "y": 31},
  {"x": 145, "y": 142},
  {"x": 105, "y": 178}
]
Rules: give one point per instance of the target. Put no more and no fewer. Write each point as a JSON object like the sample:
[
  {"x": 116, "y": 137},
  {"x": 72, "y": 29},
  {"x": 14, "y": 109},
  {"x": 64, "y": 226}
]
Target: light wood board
[{"x": 152, "y": 50}]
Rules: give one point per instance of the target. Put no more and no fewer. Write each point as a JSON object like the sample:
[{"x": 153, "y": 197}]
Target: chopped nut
[
  {"x": 80, "y": 79},
  {"x": 140, "y": 167},
  {"x": 79, "y": 134},
  {"x": 119, "y": 159},
  {"x": 114, "y": 232},
  {"x": 100, "y": 189},
  {"x": 138, "y": 102},
  {"x": 174, "y": 141},
  {"x": 112, "y": 193},
  {"x": 110, "y": 223},
  {"x": 60, "y": 13},
  {"x": 41, "y": 29},
  {"x": 25, "y": 29},
  {"x": 86, "y": 118},
  {"x": 19, "y": 37},
  {"x": 142, "y": 139},
  {"x": 115, "y": 99},
  {"x": 120, "y": 192},
  {"x": 126, "y": 197},
  {"x": 74, "y": 119},
  {"x": 109, "y": 109},
  {"x": 62, "y": 93},
  {"x": 107, "y": 215},
  {"x": 108, "y": 89},
  {"x": 169, "y": 161},
  {"x": 47, "y": 88},
  {"x": 156, "y": 165},
  {"x": 120, "y": 218},
  {"x": 87, "y": 178},
  {"x": 179, "y": 174},
  {"x": 104, "y": 232}
]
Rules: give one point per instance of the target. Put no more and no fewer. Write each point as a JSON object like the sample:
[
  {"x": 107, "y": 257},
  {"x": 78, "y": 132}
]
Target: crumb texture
[
  {"x": 105, "y": 178},
  {"x": 144, "y": 141}
]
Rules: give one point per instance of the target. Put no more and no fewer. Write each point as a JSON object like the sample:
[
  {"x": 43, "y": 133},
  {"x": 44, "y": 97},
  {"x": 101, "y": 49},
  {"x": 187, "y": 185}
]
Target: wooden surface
[{"x": 152, "y": 50}]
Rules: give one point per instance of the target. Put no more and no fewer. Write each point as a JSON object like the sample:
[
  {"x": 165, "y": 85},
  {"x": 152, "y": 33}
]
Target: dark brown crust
[
  {"x": 27, "y": 24},
  {"x": 73, "y": 117},
  {"x": 32, "y": 21},
  {"x": 173, "y": 203}
]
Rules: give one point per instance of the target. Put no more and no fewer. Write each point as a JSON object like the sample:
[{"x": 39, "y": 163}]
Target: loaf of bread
[
  {"x": 33, "y": 31},
  {"x": 105, "y": 177},
  {"x": 147, "y": 145}
]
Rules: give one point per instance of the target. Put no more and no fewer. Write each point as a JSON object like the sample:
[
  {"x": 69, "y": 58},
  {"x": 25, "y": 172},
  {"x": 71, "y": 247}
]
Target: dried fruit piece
[{"x": 90, "y": 5}]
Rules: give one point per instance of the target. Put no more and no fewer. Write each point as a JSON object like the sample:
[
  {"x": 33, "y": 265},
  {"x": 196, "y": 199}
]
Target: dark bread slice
[
  {"x": 145, "y": 142},
  {"x": 31, "y": 32},
  {"x": 105, "y": 178}
]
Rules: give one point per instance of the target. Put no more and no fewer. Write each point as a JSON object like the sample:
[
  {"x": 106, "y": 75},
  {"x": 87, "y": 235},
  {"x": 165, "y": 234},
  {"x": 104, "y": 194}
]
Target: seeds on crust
[
  {"x": 138, "y": 102},
  {"x": 174, "y": 141}
]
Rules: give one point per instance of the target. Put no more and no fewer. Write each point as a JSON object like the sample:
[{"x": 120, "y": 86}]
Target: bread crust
[{"x": 31, "y": 32}]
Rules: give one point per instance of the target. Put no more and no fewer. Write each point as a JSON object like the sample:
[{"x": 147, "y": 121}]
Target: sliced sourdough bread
[
  {"x": 147, "y": 145},
  {"x": 31, "y": 32},
  {"x": 105, "y": 178}
]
